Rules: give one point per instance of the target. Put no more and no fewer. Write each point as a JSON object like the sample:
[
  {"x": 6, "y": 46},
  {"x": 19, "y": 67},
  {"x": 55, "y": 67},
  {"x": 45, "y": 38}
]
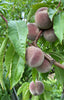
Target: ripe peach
[
  {"x": 33, "y": 31},
  {"x": 44, "y": 67},
  {"x": 34, "y": 56},
  {"x": 36, "y": 88},
  {"x": 42, "y": 19}
]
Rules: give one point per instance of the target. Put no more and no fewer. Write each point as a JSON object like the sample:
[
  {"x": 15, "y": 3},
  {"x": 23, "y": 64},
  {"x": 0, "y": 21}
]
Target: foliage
[{"x": 13, "y": 69}]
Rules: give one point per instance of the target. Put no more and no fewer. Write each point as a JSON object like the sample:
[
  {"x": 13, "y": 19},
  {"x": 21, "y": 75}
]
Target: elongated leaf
[
  {"x": 8, "y": 58},
  {"x": 16, "y": 70},
  {"x": 21, "y": 88},
  {"x": 57, "y": 55},
  {"x": 58, "y": 25},
  {"x": 59, "y": 75},
  {"x": 17, "y": 33},
  {"x": 24, "y": 89},
  {"x": 26, "y": 93},
  {"x": 2, "y": 49}
]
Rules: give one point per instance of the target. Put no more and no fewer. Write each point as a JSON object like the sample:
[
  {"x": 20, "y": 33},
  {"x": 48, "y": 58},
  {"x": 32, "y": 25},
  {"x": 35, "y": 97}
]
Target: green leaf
[
  {"x": 24, "y": 89},
  {"x": 51, "y": 13},
  {"x": 16, "y": 70},
  {"x": 26, "y": 93},
  {"x": 8, "y": 59},
  {"x": 57, "y": 56},
  {"x": 47, "y": 96},
  {"x": 59, "y": 74},
  {"x": 21, "y": 88},
  {"x": 1, "y": 40},
  {"x": 34, "y": 74},
  {"x": 2, "y": 50},
  {"x": 58, "y": 25},
  {"x": 5, "y": 97},
  {"x": 62, "y": 2},
  {"x": 17, "y": 33},
  {"x": 35, "y": 98},
  {"x": 5, "y": 2}
]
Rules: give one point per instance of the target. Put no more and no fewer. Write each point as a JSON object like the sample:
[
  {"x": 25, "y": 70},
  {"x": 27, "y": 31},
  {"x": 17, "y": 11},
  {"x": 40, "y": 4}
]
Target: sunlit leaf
[
  {"x": 58, "y": 25},
  {"x": 17, "y": 33},
  {"x": 51, "y": 13}
]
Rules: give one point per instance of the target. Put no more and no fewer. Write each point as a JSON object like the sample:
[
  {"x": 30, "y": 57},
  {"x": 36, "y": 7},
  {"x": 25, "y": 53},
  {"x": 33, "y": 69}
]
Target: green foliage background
[{"x": 13, "y": 70}]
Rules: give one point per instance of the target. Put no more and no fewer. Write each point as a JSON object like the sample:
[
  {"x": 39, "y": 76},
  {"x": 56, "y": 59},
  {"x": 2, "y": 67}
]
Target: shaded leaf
[
  {"x": 57, "y": 56},
  {"x": 2, "y": 50},
  {"x": 59, "y": 74},
  {"x": 16, "y": 70},
  {"x": 8, "y": 58}
]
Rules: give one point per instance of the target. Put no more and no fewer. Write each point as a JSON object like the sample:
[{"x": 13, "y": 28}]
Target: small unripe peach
[
  {"x": 45, "y": 67},
  {"x": 49, "y": 35},
  {"x": 34, "y": 56},
  {"x": 42, "y": 19},
  {"x": 33, "y": 31},
  {"x": 36, "y": 88}
]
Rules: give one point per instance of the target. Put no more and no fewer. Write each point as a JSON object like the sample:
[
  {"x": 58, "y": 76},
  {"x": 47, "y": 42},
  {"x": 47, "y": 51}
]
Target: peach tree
[{"x": 32, "y": 51}]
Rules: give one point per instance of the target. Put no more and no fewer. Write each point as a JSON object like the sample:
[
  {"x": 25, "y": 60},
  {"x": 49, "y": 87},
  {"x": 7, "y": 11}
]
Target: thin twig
[
  {"x": 4, "y": 19},
  {"x": 36, "y": 39},
  {"x": 38, "y": 36},
  {"x": 30, "y": 44},
  {"x": 58, "y": 5}
]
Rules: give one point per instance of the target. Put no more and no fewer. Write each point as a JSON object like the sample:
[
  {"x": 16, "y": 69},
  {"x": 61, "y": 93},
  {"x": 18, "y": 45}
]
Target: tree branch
[{"x": 52, "y": 61}]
